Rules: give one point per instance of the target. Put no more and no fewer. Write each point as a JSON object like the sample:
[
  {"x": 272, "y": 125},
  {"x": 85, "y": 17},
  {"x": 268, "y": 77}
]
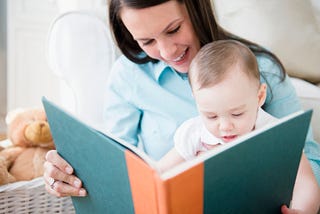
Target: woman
[{"x": 148, "y": 93}]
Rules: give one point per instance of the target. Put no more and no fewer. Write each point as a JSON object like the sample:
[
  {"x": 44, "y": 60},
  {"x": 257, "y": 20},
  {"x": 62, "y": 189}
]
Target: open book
[{"x": 253, "y": 174}]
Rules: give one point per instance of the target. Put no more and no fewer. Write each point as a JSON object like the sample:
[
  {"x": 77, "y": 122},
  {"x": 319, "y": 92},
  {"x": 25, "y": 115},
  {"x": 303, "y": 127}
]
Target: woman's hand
[{"x": 59, "y": 178}]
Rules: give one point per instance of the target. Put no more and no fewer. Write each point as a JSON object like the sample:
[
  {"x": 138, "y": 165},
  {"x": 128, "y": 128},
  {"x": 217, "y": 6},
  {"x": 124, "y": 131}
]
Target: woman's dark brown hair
[{"x": 202, "y": 18}]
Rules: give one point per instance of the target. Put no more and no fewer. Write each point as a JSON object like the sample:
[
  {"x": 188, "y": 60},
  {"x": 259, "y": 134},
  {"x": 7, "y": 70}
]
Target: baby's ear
[{"x": 262, "y": 94}]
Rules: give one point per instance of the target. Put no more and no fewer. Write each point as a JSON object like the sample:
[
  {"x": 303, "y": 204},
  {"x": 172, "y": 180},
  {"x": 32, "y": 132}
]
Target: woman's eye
[
  {"x": 174, "y": 30},
  {"x": 147, "y": 42}
]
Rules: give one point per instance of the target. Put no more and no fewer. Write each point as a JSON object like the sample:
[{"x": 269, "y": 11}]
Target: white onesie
[{"x": 192, "y": 136}]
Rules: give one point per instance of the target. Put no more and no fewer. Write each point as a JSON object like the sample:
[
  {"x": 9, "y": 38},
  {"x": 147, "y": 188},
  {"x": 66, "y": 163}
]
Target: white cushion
[
  {"x": 80, "y": 52},
  {"x": 289, "y": 28},
  {"x": 310, "y": 99}
]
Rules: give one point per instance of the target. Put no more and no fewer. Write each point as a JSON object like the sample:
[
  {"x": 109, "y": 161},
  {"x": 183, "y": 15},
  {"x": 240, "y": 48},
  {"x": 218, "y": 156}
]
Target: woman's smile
[{"x": 168, "y": 36}]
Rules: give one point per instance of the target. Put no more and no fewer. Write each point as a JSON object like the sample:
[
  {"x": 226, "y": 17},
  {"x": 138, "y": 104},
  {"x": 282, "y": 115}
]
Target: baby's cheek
[{"x": 248, "y": 125}]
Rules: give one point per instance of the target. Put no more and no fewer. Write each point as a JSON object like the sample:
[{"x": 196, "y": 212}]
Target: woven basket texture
[{"x": 31, "y": 197}]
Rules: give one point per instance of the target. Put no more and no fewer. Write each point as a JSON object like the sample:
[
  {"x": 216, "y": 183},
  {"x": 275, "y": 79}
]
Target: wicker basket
[{"x": 31, "y": 197}]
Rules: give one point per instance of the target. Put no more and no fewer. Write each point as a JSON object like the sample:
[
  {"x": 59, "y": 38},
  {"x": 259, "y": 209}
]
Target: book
[{"x": 253, "y": 174}]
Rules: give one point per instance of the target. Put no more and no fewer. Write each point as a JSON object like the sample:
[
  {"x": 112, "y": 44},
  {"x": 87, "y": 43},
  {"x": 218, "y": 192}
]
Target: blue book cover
[{"x": 254, "y": 174}]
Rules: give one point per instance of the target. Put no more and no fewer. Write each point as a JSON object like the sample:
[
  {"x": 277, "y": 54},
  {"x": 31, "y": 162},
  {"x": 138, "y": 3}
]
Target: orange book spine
[
  {"x": 142, "y": 182},
  {"x": 182, "y": 193}
]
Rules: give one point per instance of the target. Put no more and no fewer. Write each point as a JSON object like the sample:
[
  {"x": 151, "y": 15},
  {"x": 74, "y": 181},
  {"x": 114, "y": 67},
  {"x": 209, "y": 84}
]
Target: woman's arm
[
  {"x": 121, "y": 118},
  {"x": 306, "y": 193},
  {"x": 283, "y": 100}
]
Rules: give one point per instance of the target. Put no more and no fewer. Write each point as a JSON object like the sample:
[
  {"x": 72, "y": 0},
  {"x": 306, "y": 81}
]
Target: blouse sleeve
[
  {"x": 121, "y": 117},
  {"x": 283, "y": 100}
]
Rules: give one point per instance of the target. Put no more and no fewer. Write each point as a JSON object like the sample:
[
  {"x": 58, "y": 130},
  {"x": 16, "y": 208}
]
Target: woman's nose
[{"x": 167, "y": 49}]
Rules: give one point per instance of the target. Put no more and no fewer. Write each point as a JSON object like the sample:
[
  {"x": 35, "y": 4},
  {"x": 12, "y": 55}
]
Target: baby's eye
[
  {"x": 174, "y": 30},
  {"x": 212, "y": 117},
  {"x": 237, "y": 114}
]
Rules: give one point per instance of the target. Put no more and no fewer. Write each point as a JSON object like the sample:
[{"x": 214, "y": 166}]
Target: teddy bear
[{"x": 31, "y": 139}]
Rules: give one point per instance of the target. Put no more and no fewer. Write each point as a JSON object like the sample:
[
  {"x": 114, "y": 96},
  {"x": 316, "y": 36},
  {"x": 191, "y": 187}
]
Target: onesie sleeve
[{"x": 187, "y": 139}]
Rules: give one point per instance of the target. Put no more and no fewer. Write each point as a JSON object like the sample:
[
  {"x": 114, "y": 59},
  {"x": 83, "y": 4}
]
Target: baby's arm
[
  {"x": 306, "y": 193},
  {"x": 171, "y": 159},
  {"x": 184, "y": 145}
]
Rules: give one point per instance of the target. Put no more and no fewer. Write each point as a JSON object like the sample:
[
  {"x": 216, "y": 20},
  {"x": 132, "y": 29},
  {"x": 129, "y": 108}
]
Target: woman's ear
[{"x": 262, "y": 94}]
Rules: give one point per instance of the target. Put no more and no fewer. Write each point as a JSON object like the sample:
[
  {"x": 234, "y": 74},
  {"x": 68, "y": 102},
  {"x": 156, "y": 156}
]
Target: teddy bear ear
[{"x": 12, "y": 114}]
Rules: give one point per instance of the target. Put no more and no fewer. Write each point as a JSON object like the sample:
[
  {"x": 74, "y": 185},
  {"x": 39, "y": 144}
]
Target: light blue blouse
[{"x": 146, "y": 103}]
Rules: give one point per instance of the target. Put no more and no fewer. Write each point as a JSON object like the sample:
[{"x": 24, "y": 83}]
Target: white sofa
[
  {"x": 80, "y": 50},
  {"x": 290, "y": 29}
]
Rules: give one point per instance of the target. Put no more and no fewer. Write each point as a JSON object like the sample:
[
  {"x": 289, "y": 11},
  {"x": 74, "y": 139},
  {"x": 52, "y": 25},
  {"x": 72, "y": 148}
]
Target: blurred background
[
  {"x": 3, "y": 64},
  {"x": 289, "y": 28},
  {"x": 24, "y": 73}
]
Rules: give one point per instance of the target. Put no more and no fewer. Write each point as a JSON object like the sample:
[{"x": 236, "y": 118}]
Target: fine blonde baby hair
[{"x": 216, "y": 59}]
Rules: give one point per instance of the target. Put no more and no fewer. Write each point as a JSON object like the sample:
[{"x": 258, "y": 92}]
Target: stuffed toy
[{"x": 30, "y": 137}]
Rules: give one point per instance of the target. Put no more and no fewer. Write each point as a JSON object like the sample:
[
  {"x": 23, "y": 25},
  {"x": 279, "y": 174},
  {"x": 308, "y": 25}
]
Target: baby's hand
[
  {"x": 207, "y": 148},
  {"x": 286, "y": 210}
]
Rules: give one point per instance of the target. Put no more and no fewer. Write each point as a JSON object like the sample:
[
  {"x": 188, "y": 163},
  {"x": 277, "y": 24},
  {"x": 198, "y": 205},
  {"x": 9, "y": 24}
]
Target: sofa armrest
[
  {"x": 80, "y": 51},
  {"x": 309, "y": 95}
]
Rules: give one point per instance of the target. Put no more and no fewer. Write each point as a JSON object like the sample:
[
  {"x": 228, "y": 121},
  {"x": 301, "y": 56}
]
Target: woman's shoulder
[
  {"x": 127, "y": 69},
  {"x": 125, "y": 72},
  {"x": 123, "y": 64},
  {"x": 270, "y": 69},
  {"x": 267, "y": 64}
]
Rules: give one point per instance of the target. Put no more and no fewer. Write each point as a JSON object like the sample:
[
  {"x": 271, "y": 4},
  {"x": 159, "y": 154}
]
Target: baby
[{"x": 225, "y": 83}]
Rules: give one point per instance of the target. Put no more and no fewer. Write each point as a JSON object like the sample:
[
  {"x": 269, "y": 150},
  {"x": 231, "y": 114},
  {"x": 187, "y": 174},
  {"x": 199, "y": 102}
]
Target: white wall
[
  {"x": 3, "y": 64},
  {"x": 29, "y": 76}
]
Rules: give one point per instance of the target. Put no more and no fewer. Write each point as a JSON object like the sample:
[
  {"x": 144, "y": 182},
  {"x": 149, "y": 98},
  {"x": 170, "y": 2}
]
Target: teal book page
[
  {"x": 97, "y": 160},
  {"x": 258, "y": 174}
]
